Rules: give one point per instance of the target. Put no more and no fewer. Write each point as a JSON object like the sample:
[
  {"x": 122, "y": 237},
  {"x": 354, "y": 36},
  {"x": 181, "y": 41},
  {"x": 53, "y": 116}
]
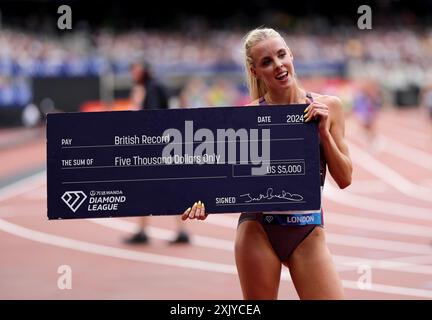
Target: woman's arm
[{"x": 329, "y": 111}]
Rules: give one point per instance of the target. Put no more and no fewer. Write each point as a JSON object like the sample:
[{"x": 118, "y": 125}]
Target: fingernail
[
  {"x": 306, "y": 119},
  {"x": 305, "y": 110},
  {"x": 188, "y": 209},
  {"x": 195, "y": 204},
  {"x": 203, "y": 204},
  {"x": 199, "y": 202}
]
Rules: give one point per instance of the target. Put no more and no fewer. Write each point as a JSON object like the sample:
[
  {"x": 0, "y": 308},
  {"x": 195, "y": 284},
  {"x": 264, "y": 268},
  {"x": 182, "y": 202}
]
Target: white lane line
[
  {"x": 388, "y": 175},
  {"x": 427, "y": 183},
  {"x": 398, "y": 228},
  {"x": 344, "y": 220},
  {"x": 377, "y": 244},
  {"x": 28, "y": 184},
  {"x": 163, "y": 234},
  {"x": 416, "y": 137},
  {"x": 381, "y": 264},
  {"x": 421, "y": 259},
  {"x": 400, "y": 150},
  {"x": 25, "y": 185},
  {"x": 227, "y": 245},
  {"x": 382, "y": 288},
  {"x": 368, "y": 186},
  {"x": 38, "y": 179},
  {"x": 114, "y": 252},
  {"x": 415, "y": 134},
  {"x": 415, "y": 156},
  {"x": 176, "y": 262},
  {"x": 340, "y": 196},
  {"x": 373, "y": 205}
]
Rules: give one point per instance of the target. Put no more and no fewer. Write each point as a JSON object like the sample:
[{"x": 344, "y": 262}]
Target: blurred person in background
[
  {"x": 262, "y": 247},
  {"x": 222, "y": 93},
  {"x": 366, "y": 104},
  {"x": 197, "y": 93},
  {"x": 194, "y": 93},
  {"x": 426, "y": 101},
  {"x": 148, "y": 93}
]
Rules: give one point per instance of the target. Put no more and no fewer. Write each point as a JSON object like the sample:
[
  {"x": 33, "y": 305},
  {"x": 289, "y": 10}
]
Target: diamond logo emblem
[{"x": 74, "y": 199}]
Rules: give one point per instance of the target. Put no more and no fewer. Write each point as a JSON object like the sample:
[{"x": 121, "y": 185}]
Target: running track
[{"x": 381, "y": 224}]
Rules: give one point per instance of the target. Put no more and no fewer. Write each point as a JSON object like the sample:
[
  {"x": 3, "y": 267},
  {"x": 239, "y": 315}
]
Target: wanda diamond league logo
[{"x": 74, "y": 199}]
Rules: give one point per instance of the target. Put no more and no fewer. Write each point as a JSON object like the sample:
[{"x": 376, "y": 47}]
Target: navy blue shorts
[{"x": 285, "y": 231}]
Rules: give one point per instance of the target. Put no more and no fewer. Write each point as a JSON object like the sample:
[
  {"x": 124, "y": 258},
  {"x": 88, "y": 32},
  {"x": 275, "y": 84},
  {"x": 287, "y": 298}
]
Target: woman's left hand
[{"x": 318, "y": 111}]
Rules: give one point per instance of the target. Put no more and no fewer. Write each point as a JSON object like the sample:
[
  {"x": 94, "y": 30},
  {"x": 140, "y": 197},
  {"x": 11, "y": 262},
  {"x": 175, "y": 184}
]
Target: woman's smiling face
[{"x": 273, "y": 63}]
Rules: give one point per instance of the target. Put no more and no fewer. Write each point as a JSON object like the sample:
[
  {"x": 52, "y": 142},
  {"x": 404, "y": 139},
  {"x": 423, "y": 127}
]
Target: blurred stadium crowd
[
  {"x": 78, "y": 53},
  {"x": 202, "y": 64},
  {"x": 395, "y": 59}
]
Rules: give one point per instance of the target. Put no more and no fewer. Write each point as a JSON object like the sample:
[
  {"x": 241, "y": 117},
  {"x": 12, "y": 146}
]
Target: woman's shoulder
[
  {"x": 331, "y": 101},
  {"x": 253, "y": 103}
]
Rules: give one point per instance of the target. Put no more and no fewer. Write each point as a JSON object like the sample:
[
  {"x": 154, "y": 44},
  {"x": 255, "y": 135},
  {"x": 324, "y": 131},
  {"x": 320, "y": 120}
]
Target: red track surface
[{"x": 382, "y": 223}]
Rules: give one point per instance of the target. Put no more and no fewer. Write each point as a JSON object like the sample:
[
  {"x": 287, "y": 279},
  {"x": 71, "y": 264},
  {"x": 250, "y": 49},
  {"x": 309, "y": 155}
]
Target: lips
[{"x": 282, "y": 75}]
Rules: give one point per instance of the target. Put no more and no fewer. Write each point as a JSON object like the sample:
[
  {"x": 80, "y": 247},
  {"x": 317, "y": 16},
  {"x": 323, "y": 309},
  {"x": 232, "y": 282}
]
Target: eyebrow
[{"x": 278, "y": 52}]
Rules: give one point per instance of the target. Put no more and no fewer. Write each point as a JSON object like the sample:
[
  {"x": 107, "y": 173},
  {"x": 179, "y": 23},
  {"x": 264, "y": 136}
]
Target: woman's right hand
[{"x": 197, "y": 211}]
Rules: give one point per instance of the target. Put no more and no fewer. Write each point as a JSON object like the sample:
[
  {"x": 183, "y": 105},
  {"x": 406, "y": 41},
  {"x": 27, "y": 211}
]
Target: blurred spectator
[
  {"x": 394, "y": 58},
  {"x": 194, "y": 94},
  {"x": 148, "y": 93},
  {"x": 221, "y": 93},
  {"x": 217, "y": 93},
  {"x": 426, "y": 99},
  {"x": 366, "y": 104},
  {"x": 426, "y": 102},
  {"x": 213, "y": 50},
  {"x": 31, "y": 116}
]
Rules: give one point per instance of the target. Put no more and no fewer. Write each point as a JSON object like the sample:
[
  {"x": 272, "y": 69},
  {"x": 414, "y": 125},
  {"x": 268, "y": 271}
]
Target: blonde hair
[{"x": 257, "y": 87}]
